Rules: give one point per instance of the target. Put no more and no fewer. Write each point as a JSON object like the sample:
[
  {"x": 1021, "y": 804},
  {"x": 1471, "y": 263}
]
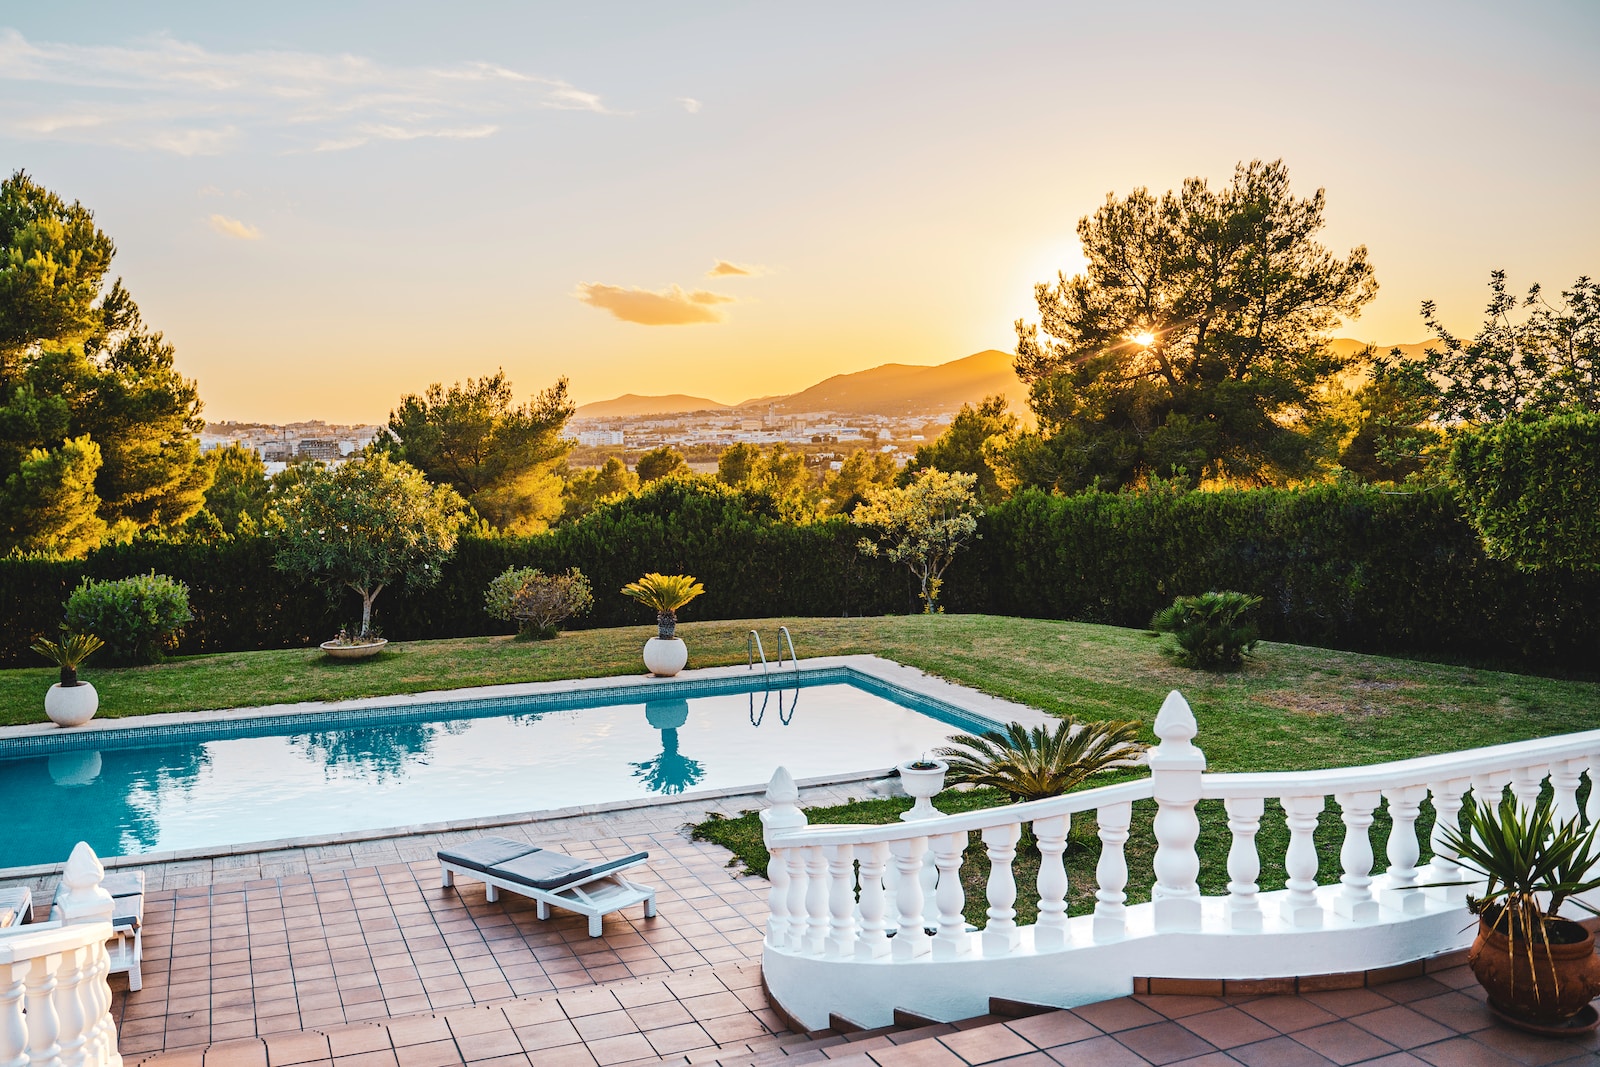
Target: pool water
[{"x": 157, "y": 789}]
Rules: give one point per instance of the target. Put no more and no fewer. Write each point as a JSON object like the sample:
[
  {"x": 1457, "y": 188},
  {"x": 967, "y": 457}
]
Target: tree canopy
[
  {"x": 588, "y": 487},
  {"x": 78, "y": 366},
  {"x": 1194, "y": 342},
  {"x": 502, "y": 457},
  {"x": 974, "y": 435},
  {"x": 922, "y": 525}
]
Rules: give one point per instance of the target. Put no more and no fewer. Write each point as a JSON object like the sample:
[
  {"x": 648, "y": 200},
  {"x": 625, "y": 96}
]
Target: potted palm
[
  {"x": 665, "y": 654},
  {"x": 1539, "y": 970},
  {"x": 70, "y": 702}
]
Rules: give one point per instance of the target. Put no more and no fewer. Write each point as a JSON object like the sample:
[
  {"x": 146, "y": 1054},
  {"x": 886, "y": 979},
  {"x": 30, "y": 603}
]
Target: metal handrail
[
  {"x": 752, "y": 645},
  {"x": 784, "y": 635}
]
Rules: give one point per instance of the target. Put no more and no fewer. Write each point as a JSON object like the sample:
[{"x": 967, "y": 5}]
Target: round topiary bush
[{"x": 138, "y": 618}]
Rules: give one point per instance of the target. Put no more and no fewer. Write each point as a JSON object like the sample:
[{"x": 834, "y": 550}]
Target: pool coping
[{"x": 883, "y": 670}]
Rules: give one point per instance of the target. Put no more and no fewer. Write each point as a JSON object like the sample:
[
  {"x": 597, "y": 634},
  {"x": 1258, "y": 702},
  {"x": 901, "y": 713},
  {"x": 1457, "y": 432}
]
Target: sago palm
[
  {"x": 1039, "y": 763},
  {"x": 666, "y": 593}
]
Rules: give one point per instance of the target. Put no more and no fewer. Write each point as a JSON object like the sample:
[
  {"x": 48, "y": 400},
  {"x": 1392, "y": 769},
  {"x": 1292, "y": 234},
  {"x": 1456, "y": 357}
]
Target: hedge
[{"x": 1337, "y": 566}]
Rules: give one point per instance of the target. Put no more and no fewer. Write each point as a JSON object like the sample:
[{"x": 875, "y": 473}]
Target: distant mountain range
[{"x": 891, "y": 389}]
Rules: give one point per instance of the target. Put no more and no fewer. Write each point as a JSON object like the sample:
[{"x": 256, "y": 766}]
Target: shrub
[
  {"x": 138, "y": 618},
  {"x": 538, "y": 602},
  {"x": 1211, "y": 631}
]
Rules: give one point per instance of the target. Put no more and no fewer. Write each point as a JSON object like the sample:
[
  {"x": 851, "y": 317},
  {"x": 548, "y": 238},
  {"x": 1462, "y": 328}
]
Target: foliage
[
  {"x": 538, "y": 602},
  {"x": 1546, "y": 363},
  {"x": 78, "y": 368},
  {"x": 1212, "y": 631},
  {"x": 499, "y": 456},
  {"x": 665, "y": 594},
  {"x": 1393, "y": 437},
  {"x": 1195, "y": 341},
  {"x": 923, "y": 524},
  {"x": 1039, "y": 763},
  {"x": 138, "y": 618},
  {"x": 237, "y": 497},
  {"x": 862, "y": 471},
  {"x": 659, "y": 463},
  {"x": 587, "y": 487},
  {"x": 974, "y": 435},
  {"x": 777, "y": 471},
  {"x": 1531, "y": 488},
  {"x": 69, "y": 653},
  {"x": 366, "y": 524}
]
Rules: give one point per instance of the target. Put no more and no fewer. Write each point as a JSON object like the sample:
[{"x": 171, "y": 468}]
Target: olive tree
[
  {"x": 922, "y": 525},
  {"x": 366, "y": 525}
]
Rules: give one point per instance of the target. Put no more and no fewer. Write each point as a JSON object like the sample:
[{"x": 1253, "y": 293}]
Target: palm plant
[
  {"x": 666, "y": 593},
  {"x": 1211, "y": 631},
  {"x": 68, "y": 654},
  {"x": 1038, "y": 763}
]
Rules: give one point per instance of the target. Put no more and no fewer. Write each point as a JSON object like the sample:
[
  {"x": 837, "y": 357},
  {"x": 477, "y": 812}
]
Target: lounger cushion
[
  {"x": 123, "y": 883},
  {"x": 14, "y": 905},
  {"x": 542, "y": 870},
  {"x": 485, "y": 852}
]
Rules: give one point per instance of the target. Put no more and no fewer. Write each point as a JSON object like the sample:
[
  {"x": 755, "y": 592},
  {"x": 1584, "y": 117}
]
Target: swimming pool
[{"x": 219, "y": 784}]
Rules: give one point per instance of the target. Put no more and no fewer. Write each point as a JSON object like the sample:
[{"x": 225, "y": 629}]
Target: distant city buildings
[{"x": 281, "y": 445}]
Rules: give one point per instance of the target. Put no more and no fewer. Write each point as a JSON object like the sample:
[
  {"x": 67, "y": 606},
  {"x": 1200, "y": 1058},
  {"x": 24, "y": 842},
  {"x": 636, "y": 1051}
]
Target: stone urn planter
[
  {"x": 1541, "y": 987},
  {"x": 362, "y": 651},
  {"x": 665, "y": 656},
  {"x": 922, "y": 784},
  {"x": 71, "y": 705}
]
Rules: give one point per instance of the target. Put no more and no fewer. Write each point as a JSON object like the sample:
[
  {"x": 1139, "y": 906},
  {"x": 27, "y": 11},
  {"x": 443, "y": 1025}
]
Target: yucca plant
[
  {"x": 1212, "y": 631},
  {"x": 68, "y": 654},
  {"x": 1038, "y": 763},
  {"x": 666, "y": 593}
]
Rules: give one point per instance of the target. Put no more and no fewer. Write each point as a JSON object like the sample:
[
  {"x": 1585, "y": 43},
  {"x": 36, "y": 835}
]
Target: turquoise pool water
[{"x": 213, "y": 785}]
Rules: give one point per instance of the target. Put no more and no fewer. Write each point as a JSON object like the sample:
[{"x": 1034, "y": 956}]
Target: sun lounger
[
  {"x": 14, "y": 906},
  {"x": 550, "y": 878},
  {"x": 127, "y": 918}
]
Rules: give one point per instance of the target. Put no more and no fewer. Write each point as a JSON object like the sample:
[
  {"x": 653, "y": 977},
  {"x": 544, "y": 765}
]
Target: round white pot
[
  {"x": 922, "y": 785},
  {"x": 665, "y": 658},
  {"x": 338, "y": 651},
  {"x": 72, "y": 706}
]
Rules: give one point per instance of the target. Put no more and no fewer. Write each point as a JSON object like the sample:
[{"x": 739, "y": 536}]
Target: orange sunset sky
[{"x": 328, "y": 205}]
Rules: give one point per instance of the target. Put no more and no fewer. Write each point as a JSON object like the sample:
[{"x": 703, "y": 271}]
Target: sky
[{"x": 326, "y": 206}]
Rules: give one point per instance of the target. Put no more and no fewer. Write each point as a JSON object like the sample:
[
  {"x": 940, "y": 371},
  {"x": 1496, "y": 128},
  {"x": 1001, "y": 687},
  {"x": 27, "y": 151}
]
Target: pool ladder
[{"x": 753, "y": 648}]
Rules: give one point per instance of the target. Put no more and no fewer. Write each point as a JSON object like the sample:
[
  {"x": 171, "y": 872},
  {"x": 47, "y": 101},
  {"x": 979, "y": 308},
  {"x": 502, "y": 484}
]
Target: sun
[{"x": 1144, "y": 339}]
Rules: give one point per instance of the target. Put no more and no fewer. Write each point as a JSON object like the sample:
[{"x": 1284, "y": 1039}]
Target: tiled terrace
[{"x": 352, "y": 956}]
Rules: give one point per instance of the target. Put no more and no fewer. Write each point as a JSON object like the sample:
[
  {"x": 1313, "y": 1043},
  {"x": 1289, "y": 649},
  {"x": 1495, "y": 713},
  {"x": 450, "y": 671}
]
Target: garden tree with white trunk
[
  {"x": 922, "y": 525},
  {"x": 365, "y": 525}
]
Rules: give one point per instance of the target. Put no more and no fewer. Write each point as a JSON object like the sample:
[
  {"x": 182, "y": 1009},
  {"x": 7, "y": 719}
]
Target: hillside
[
  {"x": 632, "y": 405},
  {"x": 903, "y": 389},
  {"x": 1348, "y": 347}
]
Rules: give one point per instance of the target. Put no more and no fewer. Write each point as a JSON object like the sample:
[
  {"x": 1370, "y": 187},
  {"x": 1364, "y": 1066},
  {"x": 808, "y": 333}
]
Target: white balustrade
[
  {"x": 1355, "y": 901},
  {"x": 55, "y": 1005},
  {"x": 783, "y": 813},
  {"x": 1176, "y": 767},
  {"x": 1300, "y": 906},
  {"x": 1050, "y": 929},
  {"x": 841, "y": 860},
  {"x": 949, "y": 897},
  {"x": 1405, "y": 803},
  {"x": 911, "y": 938},
  {"x": 1001, "y": 935},
  {"x": 818, "y": 916},
  {"x": 1110, "y": 912},
  {"x": 1444, "y": 873},
  {"x": 1565, "y": 775},
  {"x": 873, "y": 940},
  {"x": 1244, "y": 862}
]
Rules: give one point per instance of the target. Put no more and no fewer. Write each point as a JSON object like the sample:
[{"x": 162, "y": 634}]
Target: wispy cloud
[
  {"x": 668, "y": 307},
  {"x": 724, "y": 269},
  {"x": 690, "y": 104},
  {"x": 177, "y": 96},
  {"x": 234, "y": 228}
]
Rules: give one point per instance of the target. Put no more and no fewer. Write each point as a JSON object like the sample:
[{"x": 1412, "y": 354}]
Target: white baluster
[
  {"x": 1300, "y": 907},
  {"x": 1110, "y": 913},
  {"x": 1403, "y": 849},
  {"x": 841, "y": 901},
  {"x": 1176, "y": 768},
  {"x": 1000, "y": 933},
  {"x": 105, "y": 1029},
  {"x": 1443, "y": 869},
  {"x": 874, "y": 939},
  {"x": 44, "y": 1026},
  {"x": 1244, "y": 862},
  {"x": 1564, "y": 778},
  {"x": 949, "y": 898},
  {"x": 1488, "y": 790},
  {"x": 1355, "y": 901},
  {"x": 1050, "y": 929},
  {"x": 1592, "y": 805},
  {"x": 1525, "y": 785},
  {"x": 784, "y": 814},
  {"x": 911, "y": 939},
  {"x": 817, "y": 915},
  {"x": 71, "y": 1011},
  {"x": 13, "y": 1024},
  {"x": 799, "y": 884}
]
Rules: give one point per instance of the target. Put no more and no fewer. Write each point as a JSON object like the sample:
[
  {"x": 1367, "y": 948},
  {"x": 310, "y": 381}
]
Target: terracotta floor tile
[
  {"x": 1228, "y": 1027},
  {"x": 1343, "y": 1043},
  {"x": 432, "y": 1054},
  {"x": 1096, "y": 1052},
  {"x": 1114, "y": 1015},
  {"x": 1162, "y": 1043},
  {"x": 1402, "y": 1027},
  {"x": 613, "y": 1050},
  {"x": 1287, "y": 1014},
  {"x": 1463, "y": 1052},
  {"x": 1278, "y": 1052}
]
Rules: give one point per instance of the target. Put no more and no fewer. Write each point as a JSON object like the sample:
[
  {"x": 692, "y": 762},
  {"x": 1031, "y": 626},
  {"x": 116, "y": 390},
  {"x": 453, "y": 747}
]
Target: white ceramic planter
[
  {"x": 922, "y": 785},
  {"x": 665, "y": 658},
  {"x": 371, "y": 648},
  {"x": 72, "y": 706}
]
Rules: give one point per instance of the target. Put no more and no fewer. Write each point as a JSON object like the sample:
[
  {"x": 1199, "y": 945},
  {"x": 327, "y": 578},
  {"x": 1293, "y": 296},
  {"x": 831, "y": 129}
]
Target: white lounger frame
[{"x": 594, "y": 894}]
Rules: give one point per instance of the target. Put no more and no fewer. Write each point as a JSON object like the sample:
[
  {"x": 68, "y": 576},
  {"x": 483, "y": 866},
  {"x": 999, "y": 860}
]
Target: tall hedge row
[{"x": 1337, "y": 566}]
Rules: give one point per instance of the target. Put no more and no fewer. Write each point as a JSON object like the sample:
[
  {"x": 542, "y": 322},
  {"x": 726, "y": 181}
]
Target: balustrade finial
[
  {"x": 785, "y": 813},
  {"x": 781, "y": 789},
  {"x": 85, "y": 900},
  {"x": 1175, "y": 726}
]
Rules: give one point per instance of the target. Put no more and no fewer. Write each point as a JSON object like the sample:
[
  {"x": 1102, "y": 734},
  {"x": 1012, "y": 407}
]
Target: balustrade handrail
[
  {"x": 1398, "y": 774},
  {"x": 983, "y": 819},
  {"x": 49, "y": 938}
]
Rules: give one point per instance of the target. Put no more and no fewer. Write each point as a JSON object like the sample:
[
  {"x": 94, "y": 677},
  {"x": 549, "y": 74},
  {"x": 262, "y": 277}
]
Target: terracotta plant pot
[{"x": 1543, "y": 984}]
